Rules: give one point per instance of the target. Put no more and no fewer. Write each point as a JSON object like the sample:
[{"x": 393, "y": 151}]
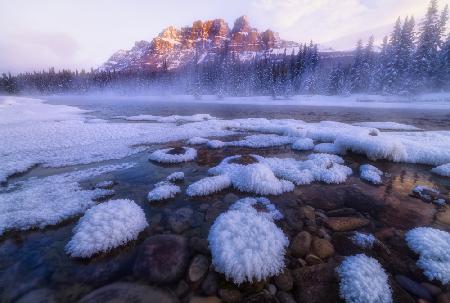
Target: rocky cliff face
[{"x": 174, "y": 48}]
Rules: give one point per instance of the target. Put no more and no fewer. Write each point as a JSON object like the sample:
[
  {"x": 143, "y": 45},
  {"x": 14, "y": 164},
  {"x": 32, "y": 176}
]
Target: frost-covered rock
[
  {"x": 262, "y": 141},
  {"x": 363, "y": 280},
  {"x": 163, "y": 155},
  {"x": 215, "y": 144},
  {"x": 39, "y": 202},
  {"x": 442, "y": 170},
  {"x": 176, "y": 176},
  {"x": 246, "y": 245},
  {"x": 106, "y": 226},
  {"x": 333, "y": 158},
  {"x": 169, "y": 119},
  {"x": 433, "y": 246},
  {"x": 303, "y": 144},
  {"x": 197, "y": 141},
  {"x": 425, "y": 193},
  {"x": 248, "y": 205},
  {"x": 104, "y": 184},
  {"x": 370, "y": 173},
  {"x": 329, "y": 148},
  {"x": 208, "y": 185},
  {"x": 163, "y": 191},
  {"x": 363, "y": 240}
]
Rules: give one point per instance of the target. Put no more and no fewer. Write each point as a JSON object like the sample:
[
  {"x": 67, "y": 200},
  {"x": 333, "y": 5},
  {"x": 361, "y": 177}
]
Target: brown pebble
[{"x": 313, "y": 260}]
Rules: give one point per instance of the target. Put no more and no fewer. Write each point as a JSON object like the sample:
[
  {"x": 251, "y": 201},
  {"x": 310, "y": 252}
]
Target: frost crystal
[
  {"x": 443, "y": 170},
  {"x": 163, "y": 191},
  {"x": 303, "y": 144},
  {"x": 106, "y": 226},
  {"x": 163, "y": 156},
  {"x": 363, "y": 240},
  {"x": 208, "y": 185},
  {"x": 370, "y": 173},
  {"x": 433, "y": 246},
  {"x": 363, "y": 280},
  {"x": 176, "y": 176}
]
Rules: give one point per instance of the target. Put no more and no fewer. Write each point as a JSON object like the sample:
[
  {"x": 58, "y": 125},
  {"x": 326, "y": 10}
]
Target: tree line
[{"x": 413, "y": 58}]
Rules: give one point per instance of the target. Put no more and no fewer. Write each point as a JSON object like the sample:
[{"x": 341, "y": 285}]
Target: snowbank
[
  {"x": 208, "y": 185},
  {"x": 303, "y": 144},
  {"x": 363, "y": 280},
  {"x": 442, "y": 170},
  {"x": 433, "y": 246},
  {"x": 363, "y": 240},
  {"x": 245, "y": 245},
  {"x": 370, "y": 173},
  {"x": 163, "y": 156},
  {"x": 106, "y": 226},
  {"x": 163, "y": 191},
  {"x": 39, "y": 202},
  {"x": 387, "y": 125},
  {"x": 169, "y": 119}
]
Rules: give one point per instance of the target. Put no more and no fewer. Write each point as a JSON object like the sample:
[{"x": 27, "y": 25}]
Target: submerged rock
[
  {"x": 322, "y": 248},
  {"x": 128, "y": 292},
  {"x": 41, "y": 295},
  {"x": 162, "y": 259},
  {"x": 284, "y": 281},
  {"x": 414, "y": 288},
  {"x": 301, "y": 244},
  {"x": 181, "y": 219},
  {"x": 198, "y": 268},
  {"x": 346, "y": 223}
]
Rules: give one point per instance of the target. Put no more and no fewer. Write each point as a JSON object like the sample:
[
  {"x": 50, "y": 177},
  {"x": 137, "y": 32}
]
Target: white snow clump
[
  {"x": 163, "y": 156},
  {"x": 433, "y": 247},
  {"x": 162, "y": 191},
  {"x": 370, "y": 173},
  {"x": 442, "y": 170},
  {"x": 329, "y": 148},
  {"x": 208, "y": 185},
  {"x": 363, "y": 280},
  {"x": 246, "y": 245},
  {"x": 106, "y": 226},
  {"x": 303, "y": 144},
  {"x": 169, "y": 119},
  {"x": 176, "y": 176}
]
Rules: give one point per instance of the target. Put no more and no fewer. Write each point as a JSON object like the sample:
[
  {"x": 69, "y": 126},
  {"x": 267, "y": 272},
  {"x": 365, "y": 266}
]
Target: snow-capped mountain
[{"x": 201, "y": 42}]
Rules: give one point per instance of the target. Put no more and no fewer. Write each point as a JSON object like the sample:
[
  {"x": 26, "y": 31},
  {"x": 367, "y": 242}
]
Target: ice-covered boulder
[
  {"x": 370, "y": 173},
  {"x": 363, "y": 240},
  {"x": 246, "y": 245},
  {"x": 433, "y": 246},
  {"x": 363, "y": 280},
  {"x": 164, "y": 155},
  {"x": 442, "y": 170},
  {"x": 208, "y": 185},
  {"x": 163, "y": 191},
  {"x": 303, "y": 144},
  {"x": 176, "y": 176},
  {"x": 106, "y": 226},
  {"x": 329, "y": 148}
]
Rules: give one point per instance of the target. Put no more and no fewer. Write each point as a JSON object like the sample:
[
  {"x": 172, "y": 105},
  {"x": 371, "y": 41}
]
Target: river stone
[
  {"x": 128, "y": 292},
  {"x": 212, "y": 299},
  {"x": 432, "y": 289},
  {"x": 301, "y": 244},
  {"x": 209, "y": 285},
  {"x": 41, "y": 295},
  {"x": 162, "y": 259},
  {"x": 181, "y": 219},
  {"x": 285, "y": 297},
  {"x": 284, "y": 281},
  {"x": 322, "y": 248},
  {"x": 261, "y": 297},
  {"x": 413, "y": 287},
  {"x": 230, "y": 295},
  {"x": 444, "y": 216},
  {"x": 198, "y": 268},
  {"x": 346, "y": 223},
  {"x": 313, "y": 259},
  {"x": 443, "y": 298}
]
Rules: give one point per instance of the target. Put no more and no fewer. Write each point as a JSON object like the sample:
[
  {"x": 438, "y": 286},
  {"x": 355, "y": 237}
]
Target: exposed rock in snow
[
  {"x": 433, "y": 246},
  {"x": 387, "y": 125},
  {"x": 176, "y": 176},
  {"x": 303, "y": 144},
  {"x": 329, "y": 148},
  {"x": 169, "y": 119},
  {"x": 363, "y": 240},
  {"x": 163, "y": 191},
  {"x": 363, "y": 280},
  {"x": 443, "y": 170},
  {"x": 370, "y": 173},
  {"x": 163, "y": 155},
  {"x": 106, "y": 226},
  {"x": 208, "y": 185},
  {"x": 246, "y": 245},
  {"x": 39, "y": 202}
]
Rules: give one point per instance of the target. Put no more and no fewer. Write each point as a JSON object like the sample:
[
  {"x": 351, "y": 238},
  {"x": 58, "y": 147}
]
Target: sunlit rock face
[{"x": 202, "y": 42}]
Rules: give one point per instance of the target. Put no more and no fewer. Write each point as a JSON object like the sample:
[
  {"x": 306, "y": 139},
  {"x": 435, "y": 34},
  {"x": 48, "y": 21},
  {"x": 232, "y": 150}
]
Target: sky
[{"x": 38, "y": 34}]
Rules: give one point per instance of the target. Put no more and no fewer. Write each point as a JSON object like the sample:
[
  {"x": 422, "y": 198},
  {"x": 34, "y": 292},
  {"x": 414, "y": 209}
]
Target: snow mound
[
  {"x": 245, "y": 245},
  {"x": 363, "y": 240},
  {"x": 329, "y": 148},
  {"x": 320, "y": 168},
  {"x": 248, "y": 204},
  {"x": 442, "y": 170},
  {"x": 208, "y": 185},
  {"x": 163, "y": 156},
  {"x": 39, "y": 202},
  {"x": 106, "y": 226},
  {"x": 163, "y": 191},
  {"x": 303, "y": 144},
  {"x": 197, "y": 141},
  {"x": 169, "y": 119},
  {"x": 215, "y": 144},
  {"x": 387, "y": 125},
  {"x": 262, "y": 141},
  {"x": 333, "y": 158},
  {"x": 370, "y": 173},
  {"x": 176, "y": 176},
  {"x": 363, "y": 280},
  {"x": 433, "y": 246}
]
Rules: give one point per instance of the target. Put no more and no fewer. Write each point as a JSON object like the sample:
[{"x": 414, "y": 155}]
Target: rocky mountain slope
[{"x": 201, "y": 42}]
